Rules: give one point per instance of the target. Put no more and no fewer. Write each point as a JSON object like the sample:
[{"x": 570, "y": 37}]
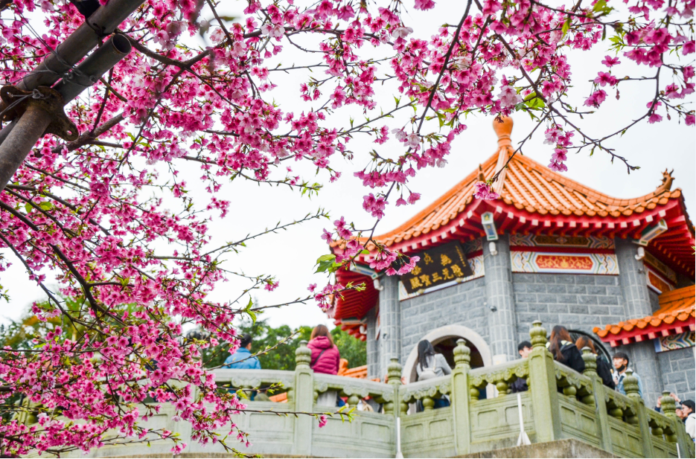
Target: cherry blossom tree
[{"x": 97, "y": 210}]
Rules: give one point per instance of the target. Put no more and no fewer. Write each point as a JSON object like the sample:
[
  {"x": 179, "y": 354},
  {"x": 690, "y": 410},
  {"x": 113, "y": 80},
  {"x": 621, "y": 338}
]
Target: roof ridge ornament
[
  {"x": 666, "y": 184},
  {"x": 502, "y": 125}
]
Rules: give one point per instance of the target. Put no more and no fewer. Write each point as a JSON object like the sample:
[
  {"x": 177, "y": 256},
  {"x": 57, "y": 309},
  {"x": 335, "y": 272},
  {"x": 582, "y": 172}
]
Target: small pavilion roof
[{"x": 676, "y": 315}]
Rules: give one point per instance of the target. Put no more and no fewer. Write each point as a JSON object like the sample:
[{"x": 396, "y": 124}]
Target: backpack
[
  {"x": 426, "y": 374},
  {"x": 604, "y": 372}
]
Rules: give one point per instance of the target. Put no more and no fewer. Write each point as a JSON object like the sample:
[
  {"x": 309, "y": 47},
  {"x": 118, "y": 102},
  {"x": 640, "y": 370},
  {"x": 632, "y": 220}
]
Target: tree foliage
[{"x": 282, "y": 342}]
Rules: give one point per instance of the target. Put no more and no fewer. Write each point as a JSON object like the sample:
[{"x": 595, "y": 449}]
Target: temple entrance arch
[{"x": 444, "y": 340}]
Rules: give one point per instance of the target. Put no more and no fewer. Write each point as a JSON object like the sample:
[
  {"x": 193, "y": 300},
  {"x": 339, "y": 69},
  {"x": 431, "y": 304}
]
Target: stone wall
[
  {"x": 654, "y": 300},
  {"x": 575, "y": 301},
  {"x": 678, "y": 374},
  {"x": 463, "y": 304}
]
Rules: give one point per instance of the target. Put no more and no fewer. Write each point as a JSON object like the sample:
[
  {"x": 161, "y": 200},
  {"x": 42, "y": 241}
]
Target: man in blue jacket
[{"x": 242, "y": 359}]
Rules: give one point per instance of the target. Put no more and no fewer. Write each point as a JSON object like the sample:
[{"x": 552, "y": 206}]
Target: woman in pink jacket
[{"x": 325, "y": 359}]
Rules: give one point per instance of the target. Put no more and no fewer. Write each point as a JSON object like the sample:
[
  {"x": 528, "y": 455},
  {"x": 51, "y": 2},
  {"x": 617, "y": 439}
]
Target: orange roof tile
[
  {"x": 528, "y": 186},
  {"x": 676, "y": 315}
]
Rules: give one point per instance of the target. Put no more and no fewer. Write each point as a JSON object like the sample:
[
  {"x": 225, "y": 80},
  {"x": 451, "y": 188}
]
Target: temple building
[{"x": 620, "y": 271}]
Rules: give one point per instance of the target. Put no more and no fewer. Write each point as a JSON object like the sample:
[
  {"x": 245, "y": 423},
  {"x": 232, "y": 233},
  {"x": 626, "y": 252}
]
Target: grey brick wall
[
  {"x": 372, "y": 351},
  {"x": 678, "y": 374},
  {"x": 502, "y": 320},
  {"x": 575, "y": 301},
  {"x": 462, "y": 304},
  {"x": 654, "y": 300}
]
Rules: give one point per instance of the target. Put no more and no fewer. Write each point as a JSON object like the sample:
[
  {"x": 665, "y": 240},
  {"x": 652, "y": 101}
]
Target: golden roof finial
[{"x": 502, "y": 125}]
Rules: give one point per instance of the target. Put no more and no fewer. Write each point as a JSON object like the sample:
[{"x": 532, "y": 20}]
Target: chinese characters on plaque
[{"x": 436, "y": 266}]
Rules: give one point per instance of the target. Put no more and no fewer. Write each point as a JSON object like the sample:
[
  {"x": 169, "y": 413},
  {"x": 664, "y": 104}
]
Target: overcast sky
[{"x": 291, "y": 255}]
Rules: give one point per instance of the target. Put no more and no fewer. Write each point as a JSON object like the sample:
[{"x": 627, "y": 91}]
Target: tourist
[
  {"x": 688, "y": 417},
  {"x": 563, "y": 349},
  {"x": 658, "y": 405},
  {"x": 603, "y": 366},
  {"x": 431, "y": 365},
  {"x": 242, "y": 358},
  {"x": 520, "y": 384},
  {"x": 325, "y": 359},
  {"x": 621, "y": 362}
]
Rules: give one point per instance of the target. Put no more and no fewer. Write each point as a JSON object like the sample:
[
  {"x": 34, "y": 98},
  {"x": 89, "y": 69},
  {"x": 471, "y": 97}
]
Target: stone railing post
[
  {"x": 633, "y": 392},
  {"x": 396, "y": 407},
  {"x": 460, "y": 398},
  {"x": 394, "y": 374},
  {"x": 303, "y": 396},
  {"x": 543, "y": 388},
  {"x": 680, "y": 437},
  {"x": 598, "y": 390}
]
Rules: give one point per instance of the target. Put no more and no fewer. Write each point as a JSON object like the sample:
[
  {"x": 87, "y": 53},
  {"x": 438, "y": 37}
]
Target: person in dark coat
[
  {"x": 603, "y": 366},
  {"x": 563, "y": 348},
  {"x": 520, "y": 384}
]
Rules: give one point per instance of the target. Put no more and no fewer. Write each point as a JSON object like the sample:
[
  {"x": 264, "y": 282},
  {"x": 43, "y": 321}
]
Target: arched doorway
[{"x": 444, "y": 340}]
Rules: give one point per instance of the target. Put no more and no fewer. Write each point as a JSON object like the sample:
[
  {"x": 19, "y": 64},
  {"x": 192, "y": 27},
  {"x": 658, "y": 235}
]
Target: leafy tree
[{"x": 282, "y": 342}]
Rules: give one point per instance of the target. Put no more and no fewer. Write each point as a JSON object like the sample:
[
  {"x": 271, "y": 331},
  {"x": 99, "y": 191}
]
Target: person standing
[
  {"x": 431, "y": 365},
  {"x": 325, "y": 359},
  {"x": 687, "y": 415},
  {"x": 520, "y": 384},
  {"x": 242, "y": 358},
  {"x": 563, "y": 349},
  {"x": 603, "y": 367},
  {"x": 621, "y": 362}
]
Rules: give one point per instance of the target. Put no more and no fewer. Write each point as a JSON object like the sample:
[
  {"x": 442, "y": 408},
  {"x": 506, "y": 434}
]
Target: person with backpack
[
  {"x": 431, "y": 365},
  {"x": 325, "y": 359},
  {"x": 603, "y": 365},
  {"x": 563, "y": 349}
]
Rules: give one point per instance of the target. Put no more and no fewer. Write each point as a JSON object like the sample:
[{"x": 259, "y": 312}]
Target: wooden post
[
  {"x": 460, "y": 398},
  {"x": 543, "y": 388}
]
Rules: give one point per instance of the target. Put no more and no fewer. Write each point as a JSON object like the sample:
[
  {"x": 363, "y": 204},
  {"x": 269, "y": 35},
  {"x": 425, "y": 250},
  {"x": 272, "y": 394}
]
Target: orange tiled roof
[
  {"x": 676, "y": 315},
  {"x": 528, "y": 186}
]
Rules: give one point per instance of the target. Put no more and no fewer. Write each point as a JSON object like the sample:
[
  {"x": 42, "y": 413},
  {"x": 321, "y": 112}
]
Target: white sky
[{"x": 290, "y": 256}]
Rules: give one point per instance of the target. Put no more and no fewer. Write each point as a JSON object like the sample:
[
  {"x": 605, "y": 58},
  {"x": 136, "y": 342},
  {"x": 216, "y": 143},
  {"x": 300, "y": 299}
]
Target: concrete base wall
[{"x": 561, "y": 448}]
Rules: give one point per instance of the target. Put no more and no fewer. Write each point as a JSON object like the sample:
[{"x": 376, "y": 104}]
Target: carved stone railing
[{"x": 484, "y": 414}]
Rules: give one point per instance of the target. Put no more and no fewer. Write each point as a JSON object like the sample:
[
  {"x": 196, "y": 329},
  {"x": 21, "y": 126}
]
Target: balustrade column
[
  {"x": 632, "y": 392},
  {"x": 460, "y": 398},
  {"x": 604, "y": 431},
  {"x": 543, "y": 388},
  {"x": 686, "y": 444},
  {"x": 303, "y": 395}
]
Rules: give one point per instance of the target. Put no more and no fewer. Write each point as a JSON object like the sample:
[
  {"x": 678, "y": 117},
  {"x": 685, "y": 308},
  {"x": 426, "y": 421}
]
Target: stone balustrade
[{"x": 483, "y": 414}]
